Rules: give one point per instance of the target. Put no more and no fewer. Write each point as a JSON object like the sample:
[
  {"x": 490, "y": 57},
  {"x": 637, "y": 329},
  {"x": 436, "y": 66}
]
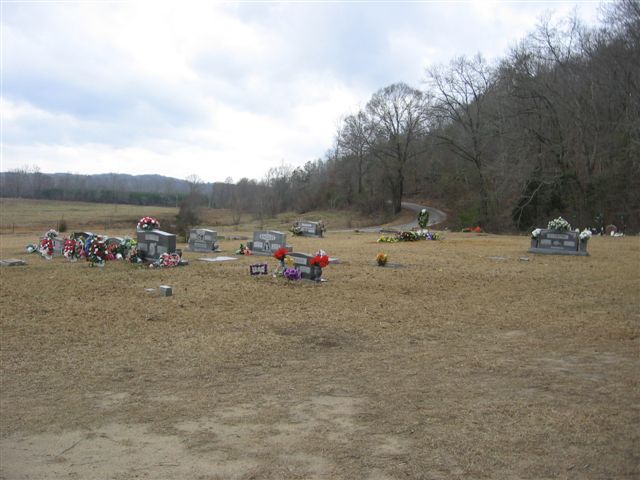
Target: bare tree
[
  {"x": 396, "y": 121},
  {"x": 462, "y": 90}
]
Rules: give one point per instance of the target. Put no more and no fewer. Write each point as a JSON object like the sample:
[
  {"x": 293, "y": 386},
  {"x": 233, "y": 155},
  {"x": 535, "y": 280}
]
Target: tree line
[{"x": 553, "y": 128}]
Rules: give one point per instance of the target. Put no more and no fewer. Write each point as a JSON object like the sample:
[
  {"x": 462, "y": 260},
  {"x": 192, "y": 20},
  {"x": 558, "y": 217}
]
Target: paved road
[{"x": 435, "y": 216}]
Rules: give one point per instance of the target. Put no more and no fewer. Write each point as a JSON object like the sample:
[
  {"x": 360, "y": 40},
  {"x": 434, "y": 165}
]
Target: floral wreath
[
  {"x": 148, "y": 223},
  {"x": 97, "y": 251},
  {"x": 72, "y": 249},
  {"x": 46, "y": 247},
  {"x": 167, "y": 260}
]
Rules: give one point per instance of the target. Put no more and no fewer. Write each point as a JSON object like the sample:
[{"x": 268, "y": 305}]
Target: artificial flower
[{"x": 280, "y": 253}]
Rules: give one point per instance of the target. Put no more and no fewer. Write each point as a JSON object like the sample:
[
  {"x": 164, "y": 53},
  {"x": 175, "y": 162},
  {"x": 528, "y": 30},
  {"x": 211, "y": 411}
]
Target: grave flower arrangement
[
  {"x": 585, "y": 235},
  {"x": 381, "y": 259},
  {"x": 46, "y": 247},
  {"x": 291, "y": 274},
  {"x": 320, "y": 259},
  {"x": 72, "y": 249},
  {"x": 243, "y": 250},
  {"x": 431, "y": 235},
  {"x": 280, "y": 254},
  {"x": 46, "y": 244},
  {"x": 423, "y": 218},
  {"x": 559, "y": 224},
  {"x": 148, "y": 223},
  {"x": 536, "y": 233},
  {"x": 97, "y": 251},
  {"x": 386, "y": 239},
  {"x": 296, "y": 229},
  {"x": 167, "y": 260}
]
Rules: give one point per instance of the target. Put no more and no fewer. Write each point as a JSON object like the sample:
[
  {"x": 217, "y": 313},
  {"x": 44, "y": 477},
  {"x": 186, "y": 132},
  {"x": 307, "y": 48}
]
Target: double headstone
[
  {"x": 203, "y": 240},
  {"x": 266, "y": 243},
  {"x": 153, "y": 243},
  {"x": 301, "y": 262},
  {"x": 556, "y": 242},
  {"x": 309, "y": 229}
]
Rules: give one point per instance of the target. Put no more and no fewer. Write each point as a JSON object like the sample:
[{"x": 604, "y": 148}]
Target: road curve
[{"x": 435, "y": 216}]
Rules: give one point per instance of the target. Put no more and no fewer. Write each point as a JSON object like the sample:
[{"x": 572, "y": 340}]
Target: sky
[{"x": 226, "y": 89}]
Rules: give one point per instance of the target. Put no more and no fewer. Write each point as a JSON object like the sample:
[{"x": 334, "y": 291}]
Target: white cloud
[{"x": 217, "y": 89}]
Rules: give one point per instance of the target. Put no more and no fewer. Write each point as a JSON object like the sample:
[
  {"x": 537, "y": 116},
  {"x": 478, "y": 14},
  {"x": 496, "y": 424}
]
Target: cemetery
[{"x": 455, "y": 364}]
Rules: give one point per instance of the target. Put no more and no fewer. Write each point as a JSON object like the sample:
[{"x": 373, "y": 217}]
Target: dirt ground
[{"x": 463, "y": 362}]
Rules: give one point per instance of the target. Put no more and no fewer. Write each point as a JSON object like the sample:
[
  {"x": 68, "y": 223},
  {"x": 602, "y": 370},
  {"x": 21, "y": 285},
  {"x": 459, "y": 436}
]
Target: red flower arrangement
[
  {"x": 72, "y": 249},
  {"x": 280, "y": 253},
  {"x": 321, "y": 259},
  {"x": 46, "y": 246}
]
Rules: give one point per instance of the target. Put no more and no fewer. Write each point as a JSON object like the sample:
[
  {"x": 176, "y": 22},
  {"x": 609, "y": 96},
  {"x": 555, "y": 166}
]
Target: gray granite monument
[
  {"x": 555, "y": 242},
  {"x": 267, "y": 242},
  {"x": 153, "y": 243},
  {"x": 203, "y": 240}
]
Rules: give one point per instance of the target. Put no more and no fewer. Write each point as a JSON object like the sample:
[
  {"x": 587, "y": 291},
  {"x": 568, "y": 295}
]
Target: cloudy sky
[{"x": 227, "y": 89}]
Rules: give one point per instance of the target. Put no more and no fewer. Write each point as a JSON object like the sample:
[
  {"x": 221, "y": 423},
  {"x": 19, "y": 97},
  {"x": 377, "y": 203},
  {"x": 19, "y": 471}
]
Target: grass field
[
  {"x": 463, "y": 362},
  {"x": 28, "y": 215}
]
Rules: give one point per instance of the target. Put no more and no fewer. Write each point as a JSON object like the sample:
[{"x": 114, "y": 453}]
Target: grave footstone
[
  {"x": 267, "y": 242},
  {"x": 554, "y": 242},
  {"x": 153, "y": 243},
  {"x": 203, "y": 240}
]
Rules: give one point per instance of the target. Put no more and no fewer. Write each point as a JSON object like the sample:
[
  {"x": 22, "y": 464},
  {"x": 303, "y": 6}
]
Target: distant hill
[{"x": 103, "y": 188}]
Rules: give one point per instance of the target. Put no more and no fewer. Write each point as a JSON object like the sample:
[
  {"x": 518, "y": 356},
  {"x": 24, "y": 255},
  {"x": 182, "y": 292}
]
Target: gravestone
[
  {"x": 203, "y": 240},
  {"x": 554, "y": 242},
  {"x": 153, "y": 243},
  {"x": 266, "y": 243},
  {"x": 301, "y": 262},
  {"x": 309, "y": 229}
]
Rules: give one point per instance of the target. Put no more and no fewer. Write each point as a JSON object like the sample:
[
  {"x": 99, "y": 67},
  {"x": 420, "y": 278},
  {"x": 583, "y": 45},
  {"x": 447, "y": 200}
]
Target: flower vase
[
  {"x": 316, "y": 273},
  {"x": 582, "y": 246},
  {"x": 534, "y": 243}
]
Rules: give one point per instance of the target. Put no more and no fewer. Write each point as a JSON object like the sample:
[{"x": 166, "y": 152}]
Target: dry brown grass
[{"x": 456, "y": 365}]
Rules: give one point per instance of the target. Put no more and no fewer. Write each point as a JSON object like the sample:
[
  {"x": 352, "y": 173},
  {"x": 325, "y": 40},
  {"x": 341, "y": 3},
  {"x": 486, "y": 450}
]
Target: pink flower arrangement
[{"x": 148, "y": 223}]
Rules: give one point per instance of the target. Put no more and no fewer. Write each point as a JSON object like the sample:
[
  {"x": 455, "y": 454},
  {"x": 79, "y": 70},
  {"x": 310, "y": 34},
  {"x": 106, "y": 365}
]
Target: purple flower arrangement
[{"x": 291, "y": 273}]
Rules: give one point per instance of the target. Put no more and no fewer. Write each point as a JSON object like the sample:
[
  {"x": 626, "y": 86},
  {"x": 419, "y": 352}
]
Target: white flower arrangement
[
  {"x": 536, "y": 233},
  {"x": 559, "y": 224},
  {"x": 585, "y": 235}
]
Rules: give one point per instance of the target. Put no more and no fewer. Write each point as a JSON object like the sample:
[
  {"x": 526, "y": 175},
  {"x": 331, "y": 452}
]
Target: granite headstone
[
  {"x": 153, "y": 243},
  {"x": 267, "y": 242},
  {"x": 203, "y": 240},
  {"x": 556, "y": 242}
]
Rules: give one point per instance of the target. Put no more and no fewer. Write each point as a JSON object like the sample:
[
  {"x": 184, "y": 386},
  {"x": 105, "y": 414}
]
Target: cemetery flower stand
[{"x": 316, "y": 273}]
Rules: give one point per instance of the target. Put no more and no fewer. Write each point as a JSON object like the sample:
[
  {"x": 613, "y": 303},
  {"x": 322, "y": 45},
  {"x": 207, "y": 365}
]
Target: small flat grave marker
[
  {"x": 258, "y": 269},
  {"x": 12, "y": 262},
  {"x": 220, "y": 258}
]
